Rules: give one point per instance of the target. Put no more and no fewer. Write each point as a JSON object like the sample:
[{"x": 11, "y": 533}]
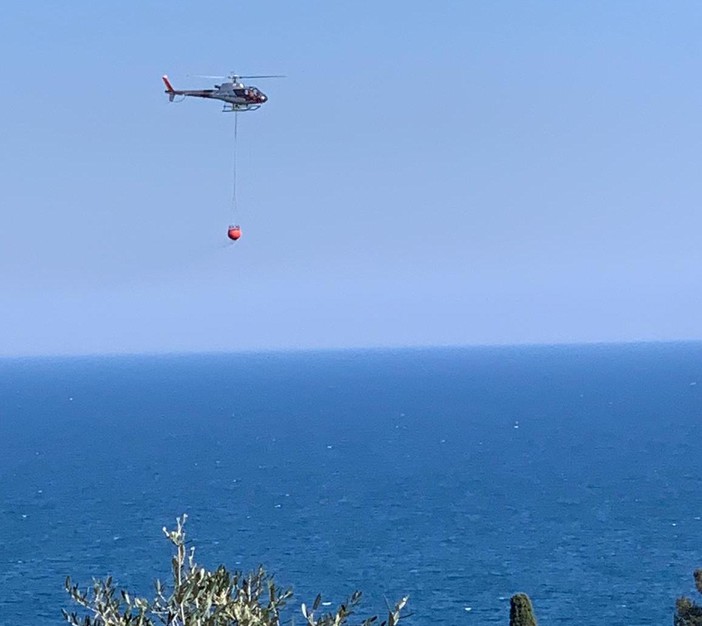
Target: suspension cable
[{"x": 236, "y": 142}]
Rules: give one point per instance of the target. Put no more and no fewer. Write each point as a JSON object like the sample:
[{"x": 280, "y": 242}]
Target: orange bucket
[{"x": 234, "y": 232}]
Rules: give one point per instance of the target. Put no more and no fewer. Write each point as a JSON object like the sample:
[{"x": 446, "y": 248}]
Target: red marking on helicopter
[{"x": 169, "y": 87}]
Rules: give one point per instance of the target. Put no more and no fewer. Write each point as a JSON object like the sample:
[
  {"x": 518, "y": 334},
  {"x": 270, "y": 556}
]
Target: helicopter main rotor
[{"x": 236, "y": 78}]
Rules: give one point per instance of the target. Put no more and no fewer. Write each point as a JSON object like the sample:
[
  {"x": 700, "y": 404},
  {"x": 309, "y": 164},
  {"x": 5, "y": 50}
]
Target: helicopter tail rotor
[{"x": 169, "y": 88}]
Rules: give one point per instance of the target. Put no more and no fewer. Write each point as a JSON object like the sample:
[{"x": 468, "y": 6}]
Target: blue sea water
[{"x": 457, "y": 476}]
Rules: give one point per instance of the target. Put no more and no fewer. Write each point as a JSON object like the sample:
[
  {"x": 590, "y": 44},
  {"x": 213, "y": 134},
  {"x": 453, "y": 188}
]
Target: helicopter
[{"x": 236, "y": 95}]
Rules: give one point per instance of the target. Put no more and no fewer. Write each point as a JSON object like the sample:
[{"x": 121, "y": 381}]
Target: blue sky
[{"x": 428, "y": 173}]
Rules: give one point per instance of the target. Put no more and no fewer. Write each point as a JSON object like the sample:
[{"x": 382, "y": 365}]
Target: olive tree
[
  {"x": 200, "y": 597},
  {"x": 687, "y": 612}
]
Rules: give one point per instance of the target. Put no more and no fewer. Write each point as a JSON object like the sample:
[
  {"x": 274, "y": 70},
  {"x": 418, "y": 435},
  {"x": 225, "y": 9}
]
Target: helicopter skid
[{"x": 237, "y": 108}]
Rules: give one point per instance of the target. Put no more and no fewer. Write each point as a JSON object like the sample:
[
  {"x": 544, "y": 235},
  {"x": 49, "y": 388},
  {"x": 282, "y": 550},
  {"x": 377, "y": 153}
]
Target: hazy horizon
[{"x": 356, "y": 349}]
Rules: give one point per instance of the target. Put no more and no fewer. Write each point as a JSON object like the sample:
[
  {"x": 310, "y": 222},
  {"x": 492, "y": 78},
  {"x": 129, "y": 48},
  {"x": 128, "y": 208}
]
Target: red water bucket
[{"x": 234, "y": 233}]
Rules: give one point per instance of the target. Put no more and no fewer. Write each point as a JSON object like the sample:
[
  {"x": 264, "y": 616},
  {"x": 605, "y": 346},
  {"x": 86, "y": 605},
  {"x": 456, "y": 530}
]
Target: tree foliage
[
  {"x": 521, "y": 613},
  {"x": 201, "y": 597},
  {"x": 687, "y": 612}
]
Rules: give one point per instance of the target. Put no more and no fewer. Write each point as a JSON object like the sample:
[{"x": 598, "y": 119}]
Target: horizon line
[{"x": 342, "y": 349}]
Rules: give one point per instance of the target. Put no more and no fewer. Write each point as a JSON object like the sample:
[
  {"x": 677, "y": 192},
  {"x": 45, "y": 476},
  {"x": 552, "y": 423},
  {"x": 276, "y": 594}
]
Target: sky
[{"x": 428, "y": 173}]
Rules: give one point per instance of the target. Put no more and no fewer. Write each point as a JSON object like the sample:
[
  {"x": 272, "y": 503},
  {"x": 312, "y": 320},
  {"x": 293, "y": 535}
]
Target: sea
[{"x": 456, "y": 476}]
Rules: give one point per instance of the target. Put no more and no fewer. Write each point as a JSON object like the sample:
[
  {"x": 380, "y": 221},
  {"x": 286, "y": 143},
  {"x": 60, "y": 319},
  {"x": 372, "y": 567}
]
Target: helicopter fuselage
[{"x": 235, "y": 95}]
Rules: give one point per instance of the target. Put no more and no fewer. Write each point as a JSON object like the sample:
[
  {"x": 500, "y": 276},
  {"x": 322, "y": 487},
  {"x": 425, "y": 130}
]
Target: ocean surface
[{"x": 457, "y": 476}]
